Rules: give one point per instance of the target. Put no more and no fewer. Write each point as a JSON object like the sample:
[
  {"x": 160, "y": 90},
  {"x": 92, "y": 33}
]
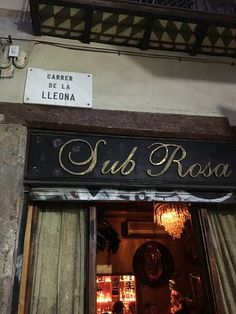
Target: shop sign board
[
  {"x": 47, "y": 87},
  {"x": 104, "y": 160}
]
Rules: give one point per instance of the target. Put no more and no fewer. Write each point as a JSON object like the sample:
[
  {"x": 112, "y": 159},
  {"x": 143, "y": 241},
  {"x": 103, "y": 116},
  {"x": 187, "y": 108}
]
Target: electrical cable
[
  {"x": 120, "y": 52},
  {"x": 4, "y": 48},
  {"x": 16, "y": 59}
]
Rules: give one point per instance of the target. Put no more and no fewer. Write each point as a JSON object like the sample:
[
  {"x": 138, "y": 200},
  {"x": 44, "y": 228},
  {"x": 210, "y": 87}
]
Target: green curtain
[
  {"x": 223, "y": 231},
  {"x": 59, "y": 274}
]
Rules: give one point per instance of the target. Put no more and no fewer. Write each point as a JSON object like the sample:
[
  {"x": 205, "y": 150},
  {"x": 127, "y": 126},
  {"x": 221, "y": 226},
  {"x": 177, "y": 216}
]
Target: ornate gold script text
[
  {"x": 163, "y": 156},
  {"x": 90, "y": 162}
]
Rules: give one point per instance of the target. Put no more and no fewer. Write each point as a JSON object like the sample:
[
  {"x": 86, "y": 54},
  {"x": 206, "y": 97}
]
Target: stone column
[{"x": 12, "y": 159}]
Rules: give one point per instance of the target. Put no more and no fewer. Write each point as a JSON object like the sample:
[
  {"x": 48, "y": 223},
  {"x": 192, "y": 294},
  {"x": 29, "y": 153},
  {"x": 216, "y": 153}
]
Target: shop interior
[{"x": 143, "y": 264}]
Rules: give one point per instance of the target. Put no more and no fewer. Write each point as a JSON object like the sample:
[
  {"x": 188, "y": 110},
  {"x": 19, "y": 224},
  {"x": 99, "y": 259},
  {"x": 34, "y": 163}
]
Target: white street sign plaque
[{"x": 69, "y": 89}]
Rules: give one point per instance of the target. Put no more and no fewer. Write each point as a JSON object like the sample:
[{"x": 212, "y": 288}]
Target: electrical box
[{"x": 14, "y": 51}]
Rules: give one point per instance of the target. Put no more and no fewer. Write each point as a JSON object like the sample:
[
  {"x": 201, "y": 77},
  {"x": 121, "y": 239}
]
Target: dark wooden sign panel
[{"x": 92, "y": 160}]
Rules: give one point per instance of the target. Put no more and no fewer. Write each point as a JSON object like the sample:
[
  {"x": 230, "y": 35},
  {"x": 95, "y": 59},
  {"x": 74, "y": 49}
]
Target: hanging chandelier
[{"x": 171, "y": 216}]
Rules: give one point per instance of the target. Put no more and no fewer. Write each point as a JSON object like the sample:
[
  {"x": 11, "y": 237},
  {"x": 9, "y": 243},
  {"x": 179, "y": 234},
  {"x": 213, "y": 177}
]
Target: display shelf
[{"x": 112, "y": 288}]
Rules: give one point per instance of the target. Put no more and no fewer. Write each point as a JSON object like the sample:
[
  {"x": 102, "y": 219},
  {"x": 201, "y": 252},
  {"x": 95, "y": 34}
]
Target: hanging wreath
[{"x": 107, "y": 237}]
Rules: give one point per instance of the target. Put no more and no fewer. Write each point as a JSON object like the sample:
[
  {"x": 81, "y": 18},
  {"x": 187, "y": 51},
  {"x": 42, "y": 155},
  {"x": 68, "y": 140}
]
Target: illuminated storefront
[{"x": 78, "y": 181}]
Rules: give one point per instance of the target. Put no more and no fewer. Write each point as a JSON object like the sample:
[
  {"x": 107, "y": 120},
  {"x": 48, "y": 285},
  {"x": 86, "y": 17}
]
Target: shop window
[
  {"x": 112, "y": 289},
  {"x": 158, "y": 271}
]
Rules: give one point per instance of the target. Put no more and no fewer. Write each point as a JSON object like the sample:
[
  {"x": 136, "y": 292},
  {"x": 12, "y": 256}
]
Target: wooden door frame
[
  {"x": 29, "y": 240},
  {"x": 91, "y": 298}
]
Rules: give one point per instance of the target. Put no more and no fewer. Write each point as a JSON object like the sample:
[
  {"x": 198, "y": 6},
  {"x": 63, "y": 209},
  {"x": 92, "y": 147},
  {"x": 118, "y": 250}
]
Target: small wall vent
[{"x": 141, "y": 229}]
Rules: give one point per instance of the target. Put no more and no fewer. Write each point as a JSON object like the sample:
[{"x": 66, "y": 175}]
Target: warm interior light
[
  {"x": 103, "y": 299},
  {"x": 171, "y": 216}
]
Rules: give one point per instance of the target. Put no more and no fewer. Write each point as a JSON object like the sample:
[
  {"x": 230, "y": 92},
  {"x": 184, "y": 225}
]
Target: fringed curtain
[
  {"x": 223, "y": 231},
  {"x": 59, "y": 268}
]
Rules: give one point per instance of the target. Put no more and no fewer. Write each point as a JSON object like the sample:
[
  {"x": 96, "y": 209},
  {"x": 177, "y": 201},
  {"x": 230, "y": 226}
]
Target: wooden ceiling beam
[
  {"x": 200, "y": 33},
  {"x": 34, "y": 11},
  {"x": 144, "y": 44},
  {"x": 88, "y": 25}
]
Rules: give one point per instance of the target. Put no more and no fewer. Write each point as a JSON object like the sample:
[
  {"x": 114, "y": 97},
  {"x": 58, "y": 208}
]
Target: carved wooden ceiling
[{"x": 136, "y": 25}]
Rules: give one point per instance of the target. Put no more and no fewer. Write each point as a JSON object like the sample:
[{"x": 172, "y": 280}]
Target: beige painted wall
[
  {"x": 137, "y": 83},
  {"x": 13, "y": 4},
  {"x": 145, "y": 83}
]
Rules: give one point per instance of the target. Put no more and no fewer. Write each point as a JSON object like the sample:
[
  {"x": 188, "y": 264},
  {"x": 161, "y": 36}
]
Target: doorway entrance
[
  {"x": 141, "y": 265},
  {"x": 91, "y": 171},
  {"x": 134, "y": 261}
]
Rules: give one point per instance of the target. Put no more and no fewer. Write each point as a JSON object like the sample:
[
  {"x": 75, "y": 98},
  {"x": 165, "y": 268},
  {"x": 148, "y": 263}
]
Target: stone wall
[{"x": 12, "y": 157}]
